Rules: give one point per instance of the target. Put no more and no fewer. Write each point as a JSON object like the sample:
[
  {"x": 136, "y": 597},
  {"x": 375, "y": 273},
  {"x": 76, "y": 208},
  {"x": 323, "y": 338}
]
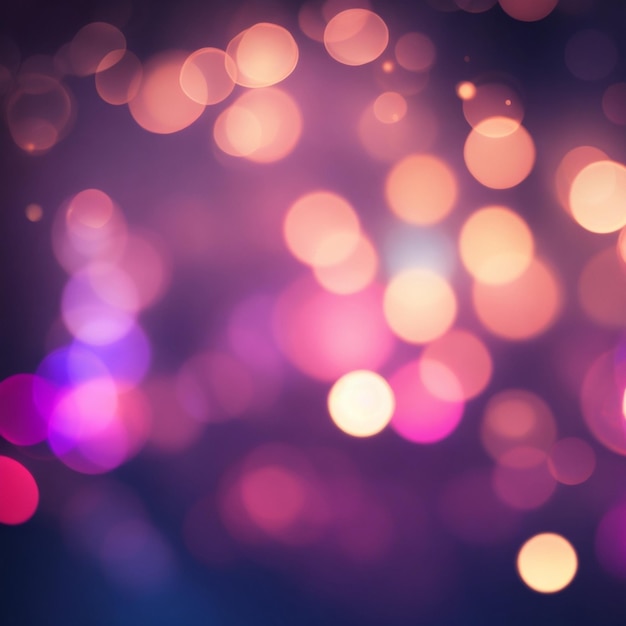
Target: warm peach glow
[
  {"x": 466, "y": 90},
  {"x": 356, "y": 37},
  {"x": 390, "y": 107},
  {"x": 520, "y": 309},
  {"x": 493, "y": 100},
  {"x": 499, "y": 153},
  {"x": 361, "y": 403},
  {"x": 598, "y": 197},
  {"x": 205, "y": 78},
  {"x": 351, "y": 274},
  {"x": 419, "y": 305},
  {"x": 547, "y": 563},
  {"x": 118, "y": 83},
  {"x": 496, "y": 245},
  {"x": 421, "y": 189},
  {"x": 264, "y": 54},
  {"x": 161, "y": 106},
  {"x": 466, "y": 356},
  {"x": 263, "y": 125},
  {"x": 321, "y": 229}
]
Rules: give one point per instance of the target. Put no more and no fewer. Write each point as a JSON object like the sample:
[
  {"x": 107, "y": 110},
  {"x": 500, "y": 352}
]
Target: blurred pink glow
[
  {"x": 601, "y": 401},
  {"x": 614, "y": 103},
  {"x": 420, "y": 415},
  {"x": 161, "y": 106},
  {"x": 118, "y": 79},
  {"x": 489, "y": 100},
  {"x": 326, "y": 335},
  {"x": 571, "y": 461},
  {"x": 92, "y": 45},
  {"x": 610, "y": 541},
  {"x": 205, "y": 78},
  {"x": 22, "y": 421},
  {"x": 20, "y": 494},
  {"x": 528, "y": 10},
  {"x": 415, "y": 52}
]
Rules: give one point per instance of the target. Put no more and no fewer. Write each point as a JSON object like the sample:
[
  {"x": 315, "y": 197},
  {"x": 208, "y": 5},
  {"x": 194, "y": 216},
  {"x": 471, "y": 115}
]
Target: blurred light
[
  {"x": 421, "y": 189},
  {"x": 207, "y": 76},
  {"x": 614, "y": 103},
  {"x": 351, "y": 274},
  {"x": 466, "y": 90},
  {"x": 321, "y": 229},
  {"x": 610, "y": 541},
  {"x": 491, "y": 100},
  {"x": 264, "y": 54},
  {"x": 591, "y": 55},
  {"x": 356, "y": 37},
  {"x": 514, "y": 419},
  {"x": 419, "y": 305},
  {"x": 311, "y": 20},
  {"x": 39, "y": 112},
  {"x": 415, "y": 52},
  {"x": 499, "y": 153},
  {"x": 601, "y": 400},
  {"x": 22, "y": 422},
  {"x": 20, "y": 494},
  {"x": 326, "y": 335},
  {"x": 523, "y": 308},
  {"x": 571, "y": 461},
  {"x": 390, "y": 107},
  {"x": 94, "y": 43},
  {"x": 391, "y": 76},
  {"x": 598, "y": 197},
  {"x": 528, "y": 10},
  {"x": 361, "y": 403},
  {"x": 34, "y": 212},
  {"x": 118, "y": 82},
  {"x": 421, "y": 416},
  {"x": 476, "y": 6},
  {"x": 161, "y": 106},
  {"x": 602, "y": 288},
  {"x": 569, "y": 167},
  {"x": 547, "y": 563},
  {"x": 263, "y": 125},
  {"x": 466, "y": 356}
]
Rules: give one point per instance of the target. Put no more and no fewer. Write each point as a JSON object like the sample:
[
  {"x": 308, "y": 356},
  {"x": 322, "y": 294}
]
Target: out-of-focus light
[
  {"x": 161, "y": 106},
  {"x": 321, "y": 229},
  {"x": 499, "y": 153},
  {"x": 475, "y": 6},
  {"x": 419, "y": 305},
  {"x": 39, "y": 112},
  {"x": 513, "y": 419},
  {"x": 264, "y": 54},
  {"x": 547, "y": 563},
  {"x": 571, "y": 461},
  {"x": 390, "y": 107},
  {"x": 522, "y": 308},
  {"x": 601, "y": 400},
  {"x": 322, "y": 333},
  {"x": 466, "y": 356},
  {"x": 491, "y": 100},
  {"x": 33, "y": 212},
  {"x": 361, "y": 403},
  {"x": 205, "y": 76},
  {"x": 421, "y": 189},
  {"x": 415, "y": 52},
  {"x": 466, "y": 90},
  {"x": 356, "y": 37},
  {"x": 610, "y": 541},
  {"x": 118, "y": 79},
  {"x": 263, "y": 125},
  {"x": 311, "y": 21},
  {"x": 351, "y": 274},
  {"x": 571, "y": 164},
  {"x": 421, "y": 416},
  {"x": 602, "y": 288},
  {"x": 496, "y": 245},
  {"x": 22, "y": 421},
  {"x": 598, "y": 197},
  {"x": 591, "y": 55},
  {"x": 92, "y": 44},
  {"x": 614, "y": 103},
  {"x": 20, "y": 494},
  {"x": 528, "y": 10}
]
